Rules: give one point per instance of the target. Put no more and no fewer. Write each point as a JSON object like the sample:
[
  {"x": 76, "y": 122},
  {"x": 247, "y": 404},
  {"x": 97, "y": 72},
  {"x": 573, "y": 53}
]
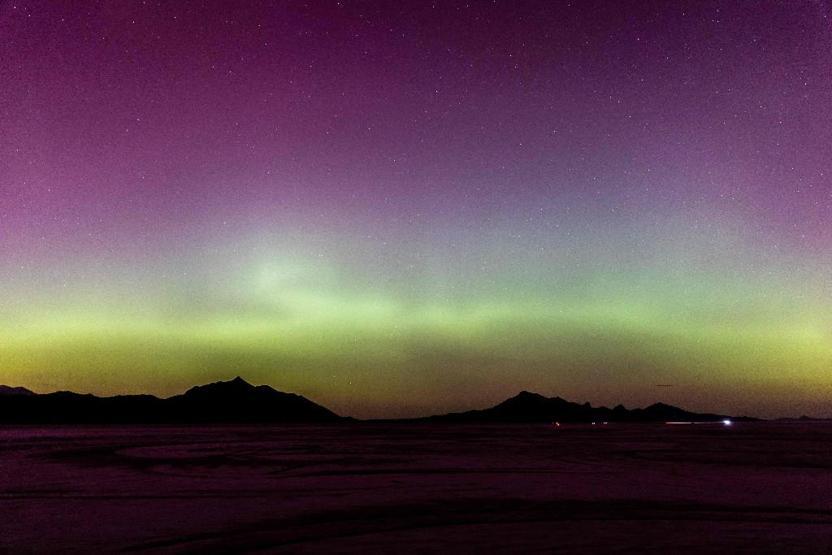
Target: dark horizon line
[{"x": 6, "y": 390}]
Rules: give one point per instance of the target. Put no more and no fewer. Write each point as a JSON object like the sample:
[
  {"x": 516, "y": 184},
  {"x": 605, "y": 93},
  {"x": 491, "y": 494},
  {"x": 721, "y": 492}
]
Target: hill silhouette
[
  {"x": 248, "y": 403},
  {"x": 237, "y": 401},
  {"x": 527, "y": 407},
  {"x": 8, "y": 390},
  {"x": 234, "y": 401}
]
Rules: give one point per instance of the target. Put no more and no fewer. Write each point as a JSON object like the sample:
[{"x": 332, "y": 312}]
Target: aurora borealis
[{"x": 407, "y": 208}]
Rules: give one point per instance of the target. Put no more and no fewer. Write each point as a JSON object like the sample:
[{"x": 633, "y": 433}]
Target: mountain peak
[
  {"x": 661, "y": 406},
  {"x": 238, "y": 385},
  {"x": 238, "y": 400},
  {"x": 528, "y": 395}
]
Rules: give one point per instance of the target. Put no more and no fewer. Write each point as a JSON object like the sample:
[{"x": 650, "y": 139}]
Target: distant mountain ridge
[
  {"x": 9, "y": 390},
  {"x": 237, "y": 401},
  {"x": 234, "y": 401},
  {"x": 528, "y": 407}
]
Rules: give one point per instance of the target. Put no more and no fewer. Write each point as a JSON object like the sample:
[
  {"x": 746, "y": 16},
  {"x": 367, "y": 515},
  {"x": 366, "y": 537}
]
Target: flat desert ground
[{"x": 362, "y": 487}]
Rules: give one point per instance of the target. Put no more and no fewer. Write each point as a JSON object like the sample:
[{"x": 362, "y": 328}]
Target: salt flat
[{"x": 750, "y": 487}]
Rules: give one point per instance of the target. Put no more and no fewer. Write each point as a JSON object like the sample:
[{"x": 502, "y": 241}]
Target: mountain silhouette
[
  {"x": 8, "y": 390},
  {"x": 234, "y": 401},
  {"x": 248, "y": 403},
  {"x": 237, "y": 401},
  {"x": 527, "y": 407}
]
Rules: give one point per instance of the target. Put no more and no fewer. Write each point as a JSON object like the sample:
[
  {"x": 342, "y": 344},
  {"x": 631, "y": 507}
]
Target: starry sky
[{"x": 403, "y": 208}]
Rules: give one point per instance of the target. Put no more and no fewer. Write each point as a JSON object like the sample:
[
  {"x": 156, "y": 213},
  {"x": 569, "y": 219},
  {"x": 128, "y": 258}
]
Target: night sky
[{"x": 401, "y": 210}]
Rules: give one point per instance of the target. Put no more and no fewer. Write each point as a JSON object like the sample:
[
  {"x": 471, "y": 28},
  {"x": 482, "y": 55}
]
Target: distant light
[{"x": 726, "y": 422}]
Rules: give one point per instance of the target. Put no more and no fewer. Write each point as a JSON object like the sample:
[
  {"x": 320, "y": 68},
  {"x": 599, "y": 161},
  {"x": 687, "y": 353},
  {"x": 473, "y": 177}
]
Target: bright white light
[{"x": 726, "y": 422}]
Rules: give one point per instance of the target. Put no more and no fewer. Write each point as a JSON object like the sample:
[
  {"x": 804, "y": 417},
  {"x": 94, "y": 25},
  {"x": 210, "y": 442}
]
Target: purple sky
[{"x": 355, "y": 199}]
